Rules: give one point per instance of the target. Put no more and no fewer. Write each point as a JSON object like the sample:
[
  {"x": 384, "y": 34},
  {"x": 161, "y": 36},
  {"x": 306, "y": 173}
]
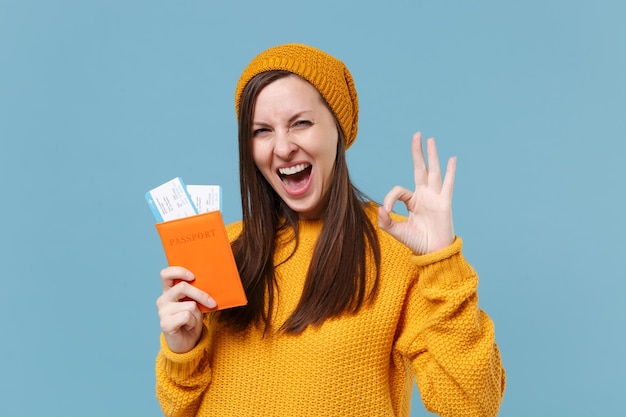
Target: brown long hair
[{"x": 336, "y": 281}]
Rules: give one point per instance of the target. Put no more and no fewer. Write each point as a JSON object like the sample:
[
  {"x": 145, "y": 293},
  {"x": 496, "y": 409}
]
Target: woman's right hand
[{"x": 181, "y": 319}]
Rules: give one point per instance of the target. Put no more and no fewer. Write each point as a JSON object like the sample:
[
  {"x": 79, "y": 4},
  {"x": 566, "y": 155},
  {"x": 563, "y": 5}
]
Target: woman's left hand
[{"x": 429, "y": 225}]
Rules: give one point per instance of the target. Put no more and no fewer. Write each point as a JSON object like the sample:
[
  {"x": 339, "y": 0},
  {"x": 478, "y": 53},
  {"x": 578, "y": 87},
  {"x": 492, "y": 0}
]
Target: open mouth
[{"x": 295, "y": 177}]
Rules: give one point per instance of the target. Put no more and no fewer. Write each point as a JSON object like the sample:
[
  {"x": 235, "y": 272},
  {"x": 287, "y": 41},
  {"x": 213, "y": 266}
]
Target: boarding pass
[{"x": 174, "y": 200}]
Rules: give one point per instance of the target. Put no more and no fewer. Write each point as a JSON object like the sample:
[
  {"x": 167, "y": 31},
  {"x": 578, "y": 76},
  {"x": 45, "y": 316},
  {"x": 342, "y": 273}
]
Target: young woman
[{"x": 348, "y": 302}]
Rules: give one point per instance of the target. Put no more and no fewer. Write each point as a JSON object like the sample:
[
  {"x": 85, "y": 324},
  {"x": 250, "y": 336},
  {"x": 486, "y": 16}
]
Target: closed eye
[
  {"x": 259, "y": 132},
  {"x": 302, "y": 123}
]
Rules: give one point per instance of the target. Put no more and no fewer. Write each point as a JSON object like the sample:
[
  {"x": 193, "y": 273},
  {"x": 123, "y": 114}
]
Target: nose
[{"x": 284, "y": 145}]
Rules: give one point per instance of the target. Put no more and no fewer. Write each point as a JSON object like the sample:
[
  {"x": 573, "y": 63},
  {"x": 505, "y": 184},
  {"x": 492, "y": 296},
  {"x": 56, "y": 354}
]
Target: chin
[{"x": 306, "y": 213}]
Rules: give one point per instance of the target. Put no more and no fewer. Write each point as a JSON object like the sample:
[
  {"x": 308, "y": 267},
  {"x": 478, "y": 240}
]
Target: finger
[
  {"x": 183, "y": 291},
  {"x": 420, "y": 172},
  {"x": 384, "y": 219},
  {"x": 193, "y": 322},
  {"x": 434, "y": 171},
  {"x": 172, "y": 274},
  {"x": 396, "y": 193},
  {"x": 448, "y": 182},
  {"x": 184, "y": 319},
  {"x": 386, "y": 223},
  {"x": 176, "y": 310},
  {"x": 169, "y": 308}
]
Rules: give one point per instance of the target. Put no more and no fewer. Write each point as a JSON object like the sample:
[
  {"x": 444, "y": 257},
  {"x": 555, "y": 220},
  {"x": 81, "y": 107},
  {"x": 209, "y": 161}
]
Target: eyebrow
[{"x": 291, "y": 119}]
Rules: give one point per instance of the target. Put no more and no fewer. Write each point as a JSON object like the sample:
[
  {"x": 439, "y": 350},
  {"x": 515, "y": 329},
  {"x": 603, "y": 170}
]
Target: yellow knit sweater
[{"x": 424, "y": 325}]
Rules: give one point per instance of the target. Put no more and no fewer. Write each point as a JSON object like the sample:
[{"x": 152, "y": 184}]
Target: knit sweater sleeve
[
  {"x": 449, "y": 340},
  {"x": 182, "y": 378}
]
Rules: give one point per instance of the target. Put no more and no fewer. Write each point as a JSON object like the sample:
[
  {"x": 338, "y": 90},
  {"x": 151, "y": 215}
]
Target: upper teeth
[{"x": 293, "y": 169}]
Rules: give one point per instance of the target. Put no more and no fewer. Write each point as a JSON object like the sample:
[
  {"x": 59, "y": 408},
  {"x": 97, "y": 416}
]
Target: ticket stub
[
  {"x": 206, "y": 197},
  {"x": 170, "y": 201}
]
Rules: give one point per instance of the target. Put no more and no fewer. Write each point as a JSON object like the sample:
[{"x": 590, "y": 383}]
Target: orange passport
[{"x": 200, "y": 244}]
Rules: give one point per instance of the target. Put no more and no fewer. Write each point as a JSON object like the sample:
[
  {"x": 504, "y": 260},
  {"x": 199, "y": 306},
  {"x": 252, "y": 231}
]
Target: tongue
[{"x": 298, "y": 180}]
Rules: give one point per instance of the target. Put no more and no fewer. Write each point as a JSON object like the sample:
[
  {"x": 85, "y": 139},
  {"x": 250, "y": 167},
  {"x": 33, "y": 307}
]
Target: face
[{"x": 294, "y": 143}]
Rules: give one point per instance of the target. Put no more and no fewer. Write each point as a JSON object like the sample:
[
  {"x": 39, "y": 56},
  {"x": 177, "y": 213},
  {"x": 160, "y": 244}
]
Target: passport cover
[{"x": 199, "y": 243}]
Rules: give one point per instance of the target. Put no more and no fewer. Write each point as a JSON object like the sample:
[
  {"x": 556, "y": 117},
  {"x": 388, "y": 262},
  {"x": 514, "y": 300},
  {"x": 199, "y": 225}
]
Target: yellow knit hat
[{"x": 326, "y": 73}]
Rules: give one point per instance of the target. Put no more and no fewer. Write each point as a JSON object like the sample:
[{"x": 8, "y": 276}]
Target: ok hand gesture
[{"x": 429, "y": 224}]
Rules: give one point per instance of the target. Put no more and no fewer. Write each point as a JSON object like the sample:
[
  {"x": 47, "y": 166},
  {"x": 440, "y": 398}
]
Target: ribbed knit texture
[
  {"x": 326, "y": 73},
  {"x": 424, "y": 324}
]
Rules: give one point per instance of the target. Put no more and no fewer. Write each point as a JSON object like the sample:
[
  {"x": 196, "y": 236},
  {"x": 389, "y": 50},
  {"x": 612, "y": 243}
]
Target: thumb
[
  {"x": 387, "y": 224},
  {"x": 384, "y": 219}
]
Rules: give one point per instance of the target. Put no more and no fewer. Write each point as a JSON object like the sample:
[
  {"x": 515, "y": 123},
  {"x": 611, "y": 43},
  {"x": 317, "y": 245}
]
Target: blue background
[{"x": 102, "y": 100}]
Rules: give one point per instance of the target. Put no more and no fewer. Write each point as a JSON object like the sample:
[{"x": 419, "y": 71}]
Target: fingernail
[{"x": 211, "y": 303}]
